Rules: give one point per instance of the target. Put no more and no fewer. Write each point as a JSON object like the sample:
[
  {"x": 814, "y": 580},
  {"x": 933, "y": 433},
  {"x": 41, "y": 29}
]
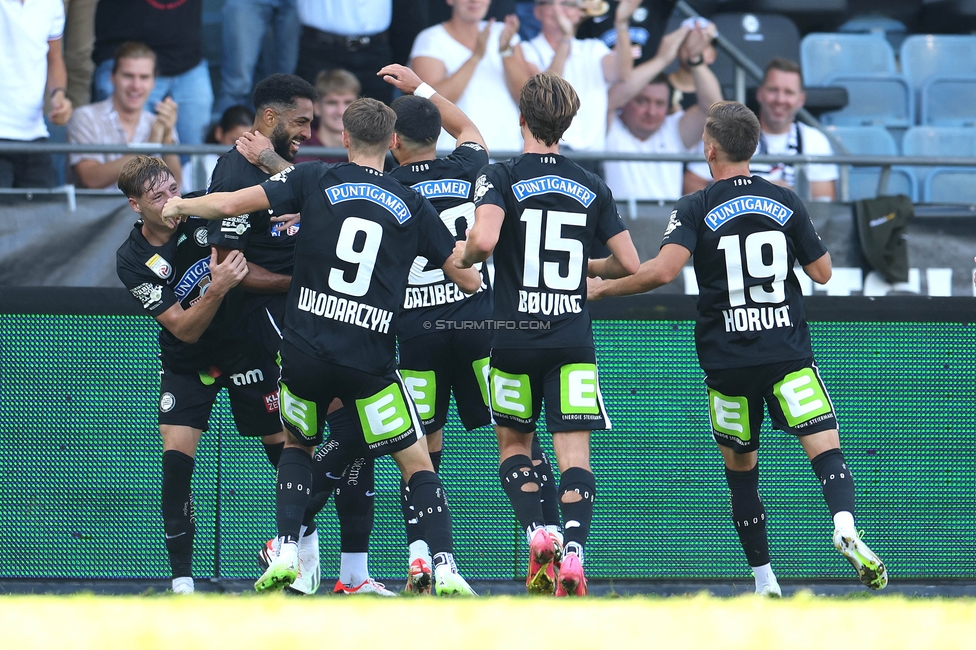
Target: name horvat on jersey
[
  {"x": 548, "y": 304},
  {"x": 344, "y": 310},
  {"x": 372, "y": 193},
  {"x": 553, "y": 185},
  {"x": 747, "y": 205},
  {"x": 756, "y": 319}
]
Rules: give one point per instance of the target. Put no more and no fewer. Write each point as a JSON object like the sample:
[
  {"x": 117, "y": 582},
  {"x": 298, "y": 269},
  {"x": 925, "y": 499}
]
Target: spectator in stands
[
  {"x": 122, "y": 119},
  {"x": 32, "y": 72},
  {"x": 780, "y": 97},
  {"x": 245, "y": 23},
  {"x": 79, "y": 40},
  {"x": 172, "y": 30},
  {"x": 647, "y": 25},
  {"x": 478, "y": 66},
  {"x": 336, "y": 90},
  {"x": 349, "y": 34},
  {"x": 587, "y": 64},
  {"x": 644, "y": 124},
  {"x": 234, "y": 122}
]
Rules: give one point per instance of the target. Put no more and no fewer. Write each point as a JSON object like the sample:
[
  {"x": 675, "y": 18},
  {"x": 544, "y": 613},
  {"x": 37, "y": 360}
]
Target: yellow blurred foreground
[{"x": 275, "y": 622}]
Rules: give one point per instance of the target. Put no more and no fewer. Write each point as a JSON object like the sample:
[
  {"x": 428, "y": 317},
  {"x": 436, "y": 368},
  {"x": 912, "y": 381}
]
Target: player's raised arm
[
  {"x": 650, "y": 275},
  {"x": 218, "y": 205}
]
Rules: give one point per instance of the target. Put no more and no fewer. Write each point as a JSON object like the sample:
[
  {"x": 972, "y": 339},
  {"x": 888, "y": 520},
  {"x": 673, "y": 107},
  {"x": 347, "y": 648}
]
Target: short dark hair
[
  {"x": 133, "y": 50},
  {"x": 369, "y": 124},
  {"x": 279, "y": 91},
  {"x": 417, "y": 120},
  {"x": 783, "y": 65},
  {"x": 734, "y": 128},
  {"x": 236, "y": 115},
  {"x": 142, "y": 175},
  {"x": 548, "y": 105}
]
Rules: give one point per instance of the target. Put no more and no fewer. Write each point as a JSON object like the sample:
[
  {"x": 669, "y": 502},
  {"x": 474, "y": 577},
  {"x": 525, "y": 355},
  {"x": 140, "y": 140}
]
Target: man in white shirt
[
  {"x": 780, "y": 97},
  {"x": 587, "y": 64},
  {"x": 643, "y": 124},
  {"x": 478, "y": 66},
  {"x": 33, "y": 72},
  {"x": 122, "y": 119}
]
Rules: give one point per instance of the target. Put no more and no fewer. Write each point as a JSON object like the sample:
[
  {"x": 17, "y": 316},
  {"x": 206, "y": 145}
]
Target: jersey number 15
[{"x": 554, "y": 241}]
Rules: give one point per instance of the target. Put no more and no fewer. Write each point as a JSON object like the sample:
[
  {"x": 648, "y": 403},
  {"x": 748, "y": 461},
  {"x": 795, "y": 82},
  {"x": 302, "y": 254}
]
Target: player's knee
[{"x": 577, "y": 484}]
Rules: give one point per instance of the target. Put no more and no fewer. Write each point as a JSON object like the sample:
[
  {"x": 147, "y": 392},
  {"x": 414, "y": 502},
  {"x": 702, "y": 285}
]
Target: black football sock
[
  {"x": 434, "y": 515},
  {"x": 749, "y": 514},
  {"x": 179, "y": 519},
  {"x": 835, "y": 480},
  {"x": 293, "y": 489},
  {"x": 577, "y": 515},
  {"x": 547, "y": 484},
  {"x": 410, "y": 521},
  {"x": 354, "y": 506},
  {"x": 515, "y": 473}
]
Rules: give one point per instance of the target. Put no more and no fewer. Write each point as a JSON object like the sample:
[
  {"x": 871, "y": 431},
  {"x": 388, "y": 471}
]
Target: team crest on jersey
[
  {"x": 481, "y": 187},
  {"x": 149, "y": 294},
  {"x": 236, "y": 225},
  {"x": 166, "y": 402},
  {"x": 200, "y": 236},
  {"x": 159, "y": 266},
  {"x": 553, "y": 185},
  {"x": 282, "y": 176},
  {"x": 672, "y": 223},
  {"x": 761, "y": 205}
]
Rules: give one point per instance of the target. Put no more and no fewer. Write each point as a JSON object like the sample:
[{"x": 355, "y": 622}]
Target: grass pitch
[{"x": 222, "y": 621}]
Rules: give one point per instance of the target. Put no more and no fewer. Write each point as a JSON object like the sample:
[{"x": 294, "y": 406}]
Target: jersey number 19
[{"x": 773, "y": 273}]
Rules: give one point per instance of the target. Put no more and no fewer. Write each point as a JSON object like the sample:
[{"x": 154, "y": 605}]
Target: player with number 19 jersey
[
  {"x": 554, "y": 212},
  {"x": 361, "y": 230},
  {"x": 746, "y": 234}
]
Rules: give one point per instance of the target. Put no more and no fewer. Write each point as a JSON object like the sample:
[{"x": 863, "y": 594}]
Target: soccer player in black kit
[
  {"x": 541, "y": 213},
  {"x": 752, "y": 337},
  {"x": 360, "y": 233},
  {"x": 283, "y": 115},
  {"x": 441, "y": 349},
  {"x": 173, "y": 273}
]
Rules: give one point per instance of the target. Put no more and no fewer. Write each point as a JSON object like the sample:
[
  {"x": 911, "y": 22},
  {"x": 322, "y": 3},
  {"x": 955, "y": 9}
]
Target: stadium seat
[
  {"x": 873, "y": 141},
  {"x": 809, "y": 15},
  {"x": 926, "y": 56},
  {"x": 825, "y": 55},
  {"x": 949, "y": 101},
  {"x": 873, "y": 99},
  {"x": 894, "y": 31},
  {"x": 761, "y": 37},
  {"x": 950, "y": 185}
]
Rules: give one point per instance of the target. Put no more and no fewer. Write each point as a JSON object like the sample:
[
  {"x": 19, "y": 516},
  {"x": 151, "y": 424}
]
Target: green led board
[{"x": 80, "y": 471}]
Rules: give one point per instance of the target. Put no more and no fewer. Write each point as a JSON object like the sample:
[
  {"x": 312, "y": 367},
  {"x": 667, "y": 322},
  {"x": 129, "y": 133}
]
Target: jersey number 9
[{"x": 364, "y": 258}]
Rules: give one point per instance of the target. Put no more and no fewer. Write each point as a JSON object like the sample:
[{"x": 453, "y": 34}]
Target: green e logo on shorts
[
  {"x": 729, "y": 415},
  {"x": 422, "y": 385},
  {"x": 578, "y": 389},
  {"x": 801, "y": 397},
  {"x": 480, "y": 368},
  {"x": 384, "y": 415},
  {"x": 511, "y": 394},
  {"x": 300, "y": 413}
]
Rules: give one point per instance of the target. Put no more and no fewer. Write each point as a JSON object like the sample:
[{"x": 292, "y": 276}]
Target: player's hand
[
  {"x": 511, "y": 28},
  {"x": 625, "y": 10},
  {"x": 667, "y": 51},
  {"x": 400, "y": 76},
  {"x": 594, "y": 288},
  {"x": 594, "y": 268},
  {"x": 481, "y": 44},
  {"x": 226, "y": 275},
  {"x": 459, "y": 249},
  {"x": 171, "y": 212},
  {"x": 250, "y": 145},
  {"x": 61, "y": 108},
  {"x": 166, "y": 114},
  {"x": 566, "y": 25},
  {"x": 283, "y": 222}
]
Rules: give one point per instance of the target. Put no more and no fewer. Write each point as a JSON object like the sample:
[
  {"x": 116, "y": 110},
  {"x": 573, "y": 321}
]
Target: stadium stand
[
  {"x": 823, "y": 55},
  {"x": 873, "y": 99},
  {"x": 948, "y": 101},
  {"x": 943, "y": 185},
  {"x": 874, "y": 141}
]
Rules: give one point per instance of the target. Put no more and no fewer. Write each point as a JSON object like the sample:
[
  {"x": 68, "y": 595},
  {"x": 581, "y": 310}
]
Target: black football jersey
[
  {"x": 448, "y": 183},
  {"x": 252, "y": 233},
  {"x": 554, "y": 213},
  {"x": 746, "y": 235},
  {"x": 176, "y": 272},
  {"x": 361, "y": 231}
]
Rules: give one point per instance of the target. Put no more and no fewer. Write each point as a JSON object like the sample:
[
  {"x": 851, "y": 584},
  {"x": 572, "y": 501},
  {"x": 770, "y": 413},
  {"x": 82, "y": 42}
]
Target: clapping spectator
[
  {"x": 477, "y": 65},
  {"x": 172, "y": 30},
  {"x": 32, "y": 72},
  {"x": 122, "y": 119},
  {"x": 587, "y": 64},
  {"x": 646, "y": 125},
  {"x": 244, "y": 25}
]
